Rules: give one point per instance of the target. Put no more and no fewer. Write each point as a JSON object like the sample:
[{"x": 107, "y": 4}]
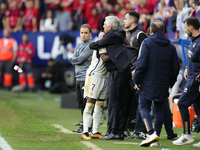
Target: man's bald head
[{"x": 157, "y": 26}]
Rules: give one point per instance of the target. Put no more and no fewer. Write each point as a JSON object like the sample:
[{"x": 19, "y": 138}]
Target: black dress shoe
[
  {"x": 112, "y": 136},
  {"x": 171, "y": 137},
  {"x": 107, "y": 133}
]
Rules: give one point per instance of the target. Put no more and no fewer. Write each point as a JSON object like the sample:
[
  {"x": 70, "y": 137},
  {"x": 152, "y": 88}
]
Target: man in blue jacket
[
  {"x": 81, "y": 60},
  {"x": 157, "y": 69},
  {"x": 191, "y": 93}
]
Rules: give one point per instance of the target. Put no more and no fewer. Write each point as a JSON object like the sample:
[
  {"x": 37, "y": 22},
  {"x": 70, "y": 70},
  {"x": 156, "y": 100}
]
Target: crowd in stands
[{"x": 66, "y": 15}]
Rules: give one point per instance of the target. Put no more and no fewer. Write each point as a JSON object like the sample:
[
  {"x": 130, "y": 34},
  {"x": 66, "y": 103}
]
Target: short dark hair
[
  {"x": 101, "y": 24},
  {"x": 192, "y": 21},
  {"x": 135, "y": 15},
  {"x": 26, "y": 33},
  {"x": 157, "y": 27},
  {"x": 87, "y": 26}
]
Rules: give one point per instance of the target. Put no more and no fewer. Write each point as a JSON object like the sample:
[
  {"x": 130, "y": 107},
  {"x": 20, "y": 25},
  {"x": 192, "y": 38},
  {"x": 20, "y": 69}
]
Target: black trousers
[
  {"x": 119, "y": 99},
  {"x": 80, "y": 93}
]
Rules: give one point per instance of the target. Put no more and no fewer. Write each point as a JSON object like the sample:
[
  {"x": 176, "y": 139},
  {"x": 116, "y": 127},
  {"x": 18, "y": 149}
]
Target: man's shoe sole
[{"x": 149, "y": 143}]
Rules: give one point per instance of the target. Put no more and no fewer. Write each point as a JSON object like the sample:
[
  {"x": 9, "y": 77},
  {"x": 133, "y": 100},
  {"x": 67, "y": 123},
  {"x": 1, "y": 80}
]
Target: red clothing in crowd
[
  {"x": 94, "y": 21},
  {"x": 13, "y": 16},
  {"x": 147, "y": 9},
  {"x": 87, "y": 7},
  {"x": 29, "y": 14},
  {"x": 70, "y": 7},
  {"x": 76, "y": 4},
  {"x": 27, "y": 51}
]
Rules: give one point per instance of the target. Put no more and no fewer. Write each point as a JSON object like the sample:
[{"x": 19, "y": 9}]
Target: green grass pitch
[{"x": 26, "y": 124}]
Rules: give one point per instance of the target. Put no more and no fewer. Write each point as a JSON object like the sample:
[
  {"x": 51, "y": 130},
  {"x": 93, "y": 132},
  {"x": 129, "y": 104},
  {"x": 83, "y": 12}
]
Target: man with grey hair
[
  {"x": 157, "y": 69},
  {"x": 119, "y": 77}
]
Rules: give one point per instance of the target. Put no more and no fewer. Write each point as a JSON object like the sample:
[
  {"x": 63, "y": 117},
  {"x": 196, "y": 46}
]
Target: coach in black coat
[
  {"x": 119, "y": 77},
  {"x": 156, "y": 71}
]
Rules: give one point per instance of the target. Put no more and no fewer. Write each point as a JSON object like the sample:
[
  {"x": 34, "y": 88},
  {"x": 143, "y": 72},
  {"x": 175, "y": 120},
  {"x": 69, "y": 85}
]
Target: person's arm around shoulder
[
  {"x": 105, "y": 41},
  {"x": 78, "y": 60}
]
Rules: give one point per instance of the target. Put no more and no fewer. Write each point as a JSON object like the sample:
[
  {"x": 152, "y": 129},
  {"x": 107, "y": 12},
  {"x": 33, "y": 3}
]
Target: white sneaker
[
  {"x": 196, "y": 145},
  {"x": 155, "y": 144},
  {"x": 149, "y": 139},
  {"x": 184, "y": 139}
]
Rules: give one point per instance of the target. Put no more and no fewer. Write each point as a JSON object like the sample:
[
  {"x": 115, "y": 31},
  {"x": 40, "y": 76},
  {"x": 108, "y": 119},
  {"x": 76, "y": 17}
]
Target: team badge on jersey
[
  {"x": 190, "y": 53},
  {"x": 185, "y": 90}
]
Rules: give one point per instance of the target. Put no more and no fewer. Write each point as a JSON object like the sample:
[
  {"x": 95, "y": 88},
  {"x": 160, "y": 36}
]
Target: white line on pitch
[
  {"x": 4, "y": 145},
  {"x": 62, "y": 129},
  {"x": 126, "y": 143},
  {"x": 91, "y": 145}
]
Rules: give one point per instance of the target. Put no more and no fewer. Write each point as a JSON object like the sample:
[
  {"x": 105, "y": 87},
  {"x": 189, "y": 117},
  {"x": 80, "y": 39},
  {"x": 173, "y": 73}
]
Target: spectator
[
  {"x": 121, "y": 13},
  {"x": 145, "y": 9},
  {"x": 67, "y": 5},
  {"x": 25, "y": 54},
  {"x": 31, "y": 17},
  {"x": 94, "y": 20},
  {"x": 19, "y": 3},
  {"x": 36, "y": 3},
  {"x": 8, "y": 52},
  {"x": 48, "y": 23},
  {"x": 13, "y": 22},
  {"x": 64, "y": 20},
  {"x": 86, "y": 9},
  {"x": 3, "y": 8},
  {"x": 47, "y": 77},
  {"x": 52, "y": 4}
]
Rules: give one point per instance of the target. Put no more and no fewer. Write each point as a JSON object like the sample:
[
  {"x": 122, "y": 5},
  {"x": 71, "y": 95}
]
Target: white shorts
[{"x": 96, "y": 87}]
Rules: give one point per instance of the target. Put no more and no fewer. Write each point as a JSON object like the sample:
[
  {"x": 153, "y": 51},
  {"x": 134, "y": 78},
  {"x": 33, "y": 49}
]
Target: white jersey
[{"x": 97, "y": 67}]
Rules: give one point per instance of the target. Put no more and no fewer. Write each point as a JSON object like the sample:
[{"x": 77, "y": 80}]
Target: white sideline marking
[
  {"x": 126, "y": 143},
  {"x": 62, "y": 129},
  {"x": 91, "y": 145},
  {"x": 4, "y": 145}
]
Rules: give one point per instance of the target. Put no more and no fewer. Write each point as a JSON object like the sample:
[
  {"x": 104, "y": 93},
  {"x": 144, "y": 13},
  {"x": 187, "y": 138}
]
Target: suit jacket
[
  {"x": 119, "y": 54},
  {"x": 157, "y": 67}
]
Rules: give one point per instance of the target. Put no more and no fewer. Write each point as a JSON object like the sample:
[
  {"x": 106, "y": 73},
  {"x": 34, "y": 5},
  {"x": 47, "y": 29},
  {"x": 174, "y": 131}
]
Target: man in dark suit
[
  {"x": 157, "y": 69},
  {"x": 119, "y": 77}
]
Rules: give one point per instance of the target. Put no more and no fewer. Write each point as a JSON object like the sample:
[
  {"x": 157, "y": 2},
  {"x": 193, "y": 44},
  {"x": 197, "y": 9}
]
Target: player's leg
[
  {"x": 87, "y": 117},
  {"x": 188, "y": 97},
  {"x": 98, "y": 109}
]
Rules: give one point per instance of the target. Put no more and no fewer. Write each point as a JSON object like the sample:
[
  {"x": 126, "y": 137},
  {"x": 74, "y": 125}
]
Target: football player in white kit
[{"x": 96, "y": 91}]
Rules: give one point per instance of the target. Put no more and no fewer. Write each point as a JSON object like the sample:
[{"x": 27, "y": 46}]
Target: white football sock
[
  {"x": 97, "y": 116},
  {"x": 87, "y": 116}
]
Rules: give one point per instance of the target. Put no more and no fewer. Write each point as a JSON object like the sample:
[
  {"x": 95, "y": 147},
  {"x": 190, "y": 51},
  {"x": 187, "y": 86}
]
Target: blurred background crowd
[
  {"x": 65, "y": 15},
  {"x": 55, "y": 16}
]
